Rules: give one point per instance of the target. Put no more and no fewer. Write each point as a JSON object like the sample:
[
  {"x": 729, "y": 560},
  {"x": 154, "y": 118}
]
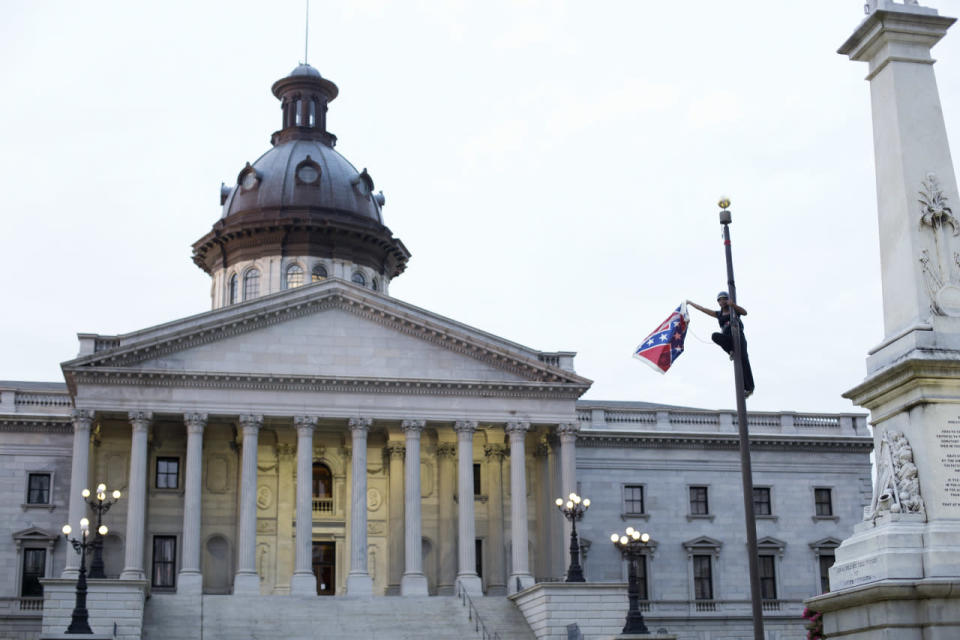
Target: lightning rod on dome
[{"x": 306, "y": 32}]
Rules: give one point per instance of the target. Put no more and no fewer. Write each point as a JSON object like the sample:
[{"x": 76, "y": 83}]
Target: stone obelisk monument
[{"x": 898, "y": 575}]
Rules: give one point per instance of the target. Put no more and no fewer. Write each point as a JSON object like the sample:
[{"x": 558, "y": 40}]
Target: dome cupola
[{"x": 301, "y": 211}]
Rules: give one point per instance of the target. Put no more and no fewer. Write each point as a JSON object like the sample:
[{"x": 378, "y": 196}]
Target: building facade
[{"x": 311, "y": 435}]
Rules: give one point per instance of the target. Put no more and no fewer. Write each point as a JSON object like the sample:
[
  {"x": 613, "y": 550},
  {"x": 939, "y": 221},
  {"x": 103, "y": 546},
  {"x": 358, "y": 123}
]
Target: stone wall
[{"x": 115, "y": 606}]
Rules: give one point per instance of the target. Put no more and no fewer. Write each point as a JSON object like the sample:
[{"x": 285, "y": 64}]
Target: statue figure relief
[
  {"x": 941, "y": 272},
  {"x": 897, "y": 488}
]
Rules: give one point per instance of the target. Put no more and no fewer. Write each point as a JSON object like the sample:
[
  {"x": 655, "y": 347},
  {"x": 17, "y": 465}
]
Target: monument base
[{"x": 927, "y": 609}]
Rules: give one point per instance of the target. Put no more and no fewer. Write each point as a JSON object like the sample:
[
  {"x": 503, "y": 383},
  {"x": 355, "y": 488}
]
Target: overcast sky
[{"x": 552, "y": 166}]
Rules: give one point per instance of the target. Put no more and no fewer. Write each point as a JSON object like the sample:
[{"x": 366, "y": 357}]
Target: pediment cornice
[{"x": 156, "y": 342}]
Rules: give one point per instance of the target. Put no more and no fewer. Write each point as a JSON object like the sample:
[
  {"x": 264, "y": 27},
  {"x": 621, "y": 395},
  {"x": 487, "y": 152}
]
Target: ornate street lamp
[
  {"x": 573, "y": 510},
  {"x": 79, "y": 621},
  {"x": 631, "y": 546},
  {"x": 100, "y": 506}
]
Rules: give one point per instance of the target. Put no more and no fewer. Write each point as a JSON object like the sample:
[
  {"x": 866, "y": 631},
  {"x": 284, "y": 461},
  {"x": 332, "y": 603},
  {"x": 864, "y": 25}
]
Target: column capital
[
  {"x": 140, "y": 419},
  {"x": 517, "y": 427},
  {"x": 446, "y": 450},
  {"x": 82, "y": 418},
  {"x": 396, "y": 449},
  {"x": 570, "y": 429},
  {"x": 495, "y": 450},
  {"x": 250, "y": 421},
  {"x": 305, "y": 424},
  {"x": 465, "y": 426},
  {"x": 410, "y": 427},
  {"x": 360, "y": 424},
  {"x": 195, "y": 422}
]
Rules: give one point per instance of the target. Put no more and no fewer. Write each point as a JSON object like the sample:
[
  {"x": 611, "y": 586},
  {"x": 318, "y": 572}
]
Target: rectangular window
[
  {"x": 478, "y": 548},
  {"x": 702, "y": 578},
  {"x": 824, "y": 502},
  {"x": 34, "y": 565},
  {"x": 698, "y": 501},
  {"x": 633, "y": 499},
  {"x": 164, "y": 561},
  {"x": 168, "y": 473},
  {"x": 641, "y": 567},
  {"x": 826, "y": 561},
  {"x": 768, "y": 578},
  {"x": 38, "y": 488},
  {"x": 477, "y": 473},
  {"x": 761, "y": 501}
]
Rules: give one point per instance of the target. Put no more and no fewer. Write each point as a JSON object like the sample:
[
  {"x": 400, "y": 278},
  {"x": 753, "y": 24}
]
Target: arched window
[
  {"x": 251, "y": 284},
  {"x": 312, "y": 122},
  {"x": 357, "y": 278},
  {"x": 234, "y": 289},
  {"x": 299, "y": 114},
  {"x": 322, "y": 488},
  {"x": 375, "y": 284},
  {"x": 294, "y": 276},
  {"x": 319, "y": 273}
]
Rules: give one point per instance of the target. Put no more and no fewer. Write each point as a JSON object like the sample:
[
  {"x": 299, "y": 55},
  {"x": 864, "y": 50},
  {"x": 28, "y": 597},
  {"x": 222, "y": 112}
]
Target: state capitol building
[{"x": 314, "y": 458}]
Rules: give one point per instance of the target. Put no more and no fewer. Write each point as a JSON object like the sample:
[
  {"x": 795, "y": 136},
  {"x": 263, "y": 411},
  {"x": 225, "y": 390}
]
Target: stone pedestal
[
  {"x": 896, "y": 576},
  {"x": 109, "y": 603}
]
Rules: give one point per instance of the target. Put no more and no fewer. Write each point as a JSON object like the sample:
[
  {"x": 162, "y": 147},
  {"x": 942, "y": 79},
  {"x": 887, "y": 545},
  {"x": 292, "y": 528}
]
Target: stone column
[
  {"x": 520, "y": 577},
  {"x": 413, "y": 582},
  {"x": 358, "y": 580},
  {"x": 544, "y": 501},
  {"x": 558, "y": 554},
  {"x": 136, "y": 497},
  {"x": 395, "y": 542},
  {"x": 467, "y": 577},
  {"x": 246, "y": 582},
  {"x": 190, "y": 580},
  {"x": 446, "y": 452},
  {"x": 304, "y": 582},
  {"x": 79, "y": 474},
  {"x": 568, "y": 472},
  {"x": 496, "y": 570}
]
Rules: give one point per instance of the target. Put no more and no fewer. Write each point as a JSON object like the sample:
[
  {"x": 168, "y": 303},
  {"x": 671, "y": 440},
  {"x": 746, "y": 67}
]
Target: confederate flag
[{"x": 665, "y": 345}]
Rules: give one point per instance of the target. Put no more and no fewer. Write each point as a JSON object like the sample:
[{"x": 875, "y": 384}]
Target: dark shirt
[{"x": 723, "y": 317}]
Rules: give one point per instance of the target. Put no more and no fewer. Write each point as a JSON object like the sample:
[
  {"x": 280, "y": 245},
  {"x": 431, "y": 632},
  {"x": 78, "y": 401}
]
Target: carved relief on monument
[
  {"x": 374, "y": 499},
  {"x": 264, "y": 497},
  {"x": 376, "y": 528},
  {"x": 941, "y": 272},
  {"x": 897, "y": 489},
  {"x": 217, "y": 473}
]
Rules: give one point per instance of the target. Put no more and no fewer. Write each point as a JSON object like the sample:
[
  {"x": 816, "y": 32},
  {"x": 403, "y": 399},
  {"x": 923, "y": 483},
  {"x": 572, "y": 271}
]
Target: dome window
[
  {"x": 248, "y": 179},
  {"x": 357, "y": 278},
  {"x": 375, "y": 284},
  {"x": 319, "y": 273},
  {"x": 307, "y": 172},
  {"x": 234, "y": 289},
  {"x": 293, "y": 277},
  {"x": 363, "y": 183},
  {"x": 251, "y": 284}
]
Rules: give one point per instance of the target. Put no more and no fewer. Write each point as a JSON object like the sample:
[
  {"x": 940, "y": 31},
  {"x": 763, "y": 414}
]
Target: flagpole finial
[{"x": 724, "y": 202}]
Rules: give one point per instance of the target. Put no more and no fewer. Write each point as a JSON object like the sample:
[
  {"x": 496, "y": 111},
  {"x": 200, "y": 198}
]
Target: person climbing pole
[{"x": 724, "y": 338}]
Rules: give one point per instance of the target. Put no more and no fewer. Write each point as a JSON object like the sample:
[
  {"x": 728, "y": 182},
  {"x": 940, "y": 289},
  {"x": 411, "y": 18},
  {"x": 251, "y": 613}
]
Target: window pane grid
[
  {"x": 34, "y": 564},
  {"x": 319, "y": 273},
  {"x": 702, "y": 578},
  {"x": 698, "y": 501},
  {"x": 168, "y": 471},
  {"x": 251, "y": 284},
  {"x": 38, "y": 488},
  {"x": 234, "y": 289},
  {"x": 761, "y": 501},
  {"x": 824, "y": 503},
  {"x": 294, "y": 276},
  {"x": 164, "y": 560},
  {"x": 633, "y": 499},
  {"x": 768, "y": 580}
]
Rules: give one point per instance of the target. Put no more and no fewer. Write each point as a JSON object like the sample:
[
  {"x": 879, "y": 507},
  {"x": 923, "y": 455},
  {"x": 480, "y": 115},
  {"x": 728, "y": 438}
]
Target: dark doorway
[{"x": 325, "y": 567}]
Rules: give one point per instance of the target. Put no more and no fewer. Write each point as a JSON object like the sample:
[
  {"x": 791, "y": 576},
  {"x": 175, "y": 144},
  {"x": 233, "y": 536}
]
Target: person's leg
[
  {"x": 747, "y": 371},
  {"x": 724, "y": 341}
]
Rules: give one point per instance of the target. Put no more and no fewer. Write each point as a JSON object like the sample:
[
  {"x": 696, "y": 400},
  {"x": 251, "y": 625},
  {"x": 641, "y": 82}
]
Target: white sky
[{"x": 552, "y": 166}]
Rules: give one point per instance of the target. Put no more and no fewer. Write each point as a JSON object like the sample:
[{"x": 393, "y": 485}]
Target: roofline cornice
[
  {"x": 668, "y": 440},
  {"x": 33, "y": 425}
]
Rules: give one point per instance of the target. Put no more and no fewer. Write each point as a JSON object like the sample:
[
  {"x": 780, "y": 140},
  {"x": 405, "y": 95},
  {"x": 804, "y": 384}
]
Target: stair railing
[{"x": 473, "y": 615}]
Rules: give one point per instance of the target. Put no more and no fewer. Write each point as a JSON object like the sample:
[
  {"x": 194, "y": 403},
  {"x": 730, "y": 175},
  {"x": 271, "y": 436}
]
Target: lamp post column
[
  {"x": 359, "y": 582},
  {"x": 190, "y": 579},
  {"x": 79, "y": 471},
  {"x": 245, "y": 581},
  {"x": 520, "y": 578},
  {"x": 413, "y": 582},
  {"x": 467, "y": 578},
  {"x": 137, "y": 505},
  {"x": 304, "y": 582}
]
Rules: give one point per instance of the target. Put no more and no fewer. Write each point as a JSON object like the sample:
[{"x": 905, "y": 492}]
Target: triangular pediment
[
  {"x": 34, "y": 534},
  {"x": 330, "y": 329},
  {"x": 703, "y": 542}
]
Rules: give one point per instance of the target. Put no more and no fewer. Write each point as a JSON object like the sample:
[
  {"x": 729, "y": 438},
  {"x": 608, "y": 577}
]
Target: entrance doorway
[{"x": 325, "y": 567}]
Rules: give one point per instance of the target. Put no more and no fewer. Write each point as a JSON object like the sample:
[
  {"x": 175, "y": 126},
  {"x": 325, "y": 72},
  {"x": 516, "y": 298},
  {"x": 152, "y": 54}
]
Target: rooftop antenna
[{"x": 306, "y": 33}]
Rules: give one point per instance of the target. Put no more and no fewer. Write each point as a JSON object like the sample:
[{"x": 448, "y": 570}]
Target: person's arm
[
  {"x": 740, "y": 310},
  {"x": 709, "y": 312}
]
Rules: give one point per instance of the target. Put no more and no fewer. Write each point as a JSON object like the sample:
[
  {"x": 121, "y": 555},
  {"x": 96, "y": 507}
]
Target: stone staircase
[{"x": 177, "y": 617}]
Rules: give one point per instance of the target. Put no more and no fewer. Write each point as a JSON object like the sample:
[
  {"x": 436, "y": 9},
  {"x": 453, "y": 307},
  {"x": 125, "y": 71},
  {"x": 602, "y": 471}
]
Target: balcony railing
[
  {"x": 323, "y": 506},
  {"x": 31, "y": 604},
  {"x": 705, "y": 605}
]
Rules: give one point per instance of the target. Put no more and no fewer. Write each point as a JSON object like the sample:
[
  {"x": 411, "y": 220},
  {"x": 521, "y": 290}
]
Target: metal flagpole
[{"x": 745, "y": 469}]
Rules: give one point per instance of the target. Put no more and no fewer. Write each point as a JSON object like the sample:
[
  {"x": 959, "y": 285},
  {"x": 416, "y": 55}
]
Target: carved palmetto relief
[{"x": 941, "y": 272}]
